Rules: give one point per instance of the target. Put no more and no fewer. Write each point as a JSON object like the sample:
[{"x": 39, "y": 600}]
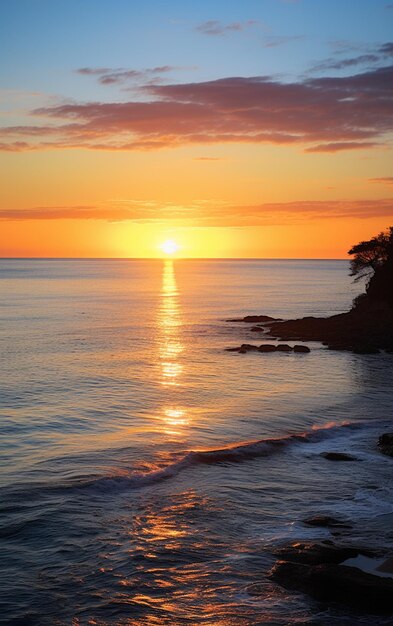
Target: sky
[{"x": 252, "y": 128}]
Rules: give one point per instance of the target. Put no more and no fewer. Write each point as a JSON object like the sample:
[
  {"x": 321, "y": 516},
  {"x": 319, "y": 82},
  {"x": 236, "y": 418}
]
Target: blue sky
[{"x": 44, "y": 41}]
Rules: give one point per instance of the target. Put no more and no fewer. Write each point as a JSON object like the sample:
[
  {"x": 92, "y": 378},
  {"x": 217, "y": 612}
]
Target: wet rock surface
[
  {"x": 254, "y": 319},
  {"x": 317, "y": 569},
  {"x": 359, "y": 331},
  {"x": 326, "y": 521},
  {"x": 385, "y": 444},
  {"x": 338, "y": 456},
  {"x": 268, "y": 348}
]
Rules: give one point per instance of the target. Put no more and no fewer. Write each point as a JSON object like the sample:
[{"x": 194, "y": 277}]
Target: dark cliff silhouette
[
  {"x": 374, "y": 259},
  {"x": 368, "y": 326}
]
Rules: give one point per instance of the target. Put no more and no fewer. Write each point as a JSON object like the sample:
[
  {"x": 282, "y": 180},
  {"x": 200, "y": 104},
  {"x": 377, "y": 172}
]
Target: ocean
[{"x": 140, "y": 484}]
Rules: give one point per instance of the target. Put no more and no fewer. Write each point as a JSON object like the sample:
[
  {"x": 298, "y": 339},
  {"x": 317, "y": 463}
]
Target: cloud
[
  {"x": 376, "y": 56},
  {"x": 202, "y": 158},
  {"x": 215, "y": 27},
  {"x": 273, "y": 41},
  {"x": 338, "y": 146},
  {"x": 210, "y": 213},
  {"x": 111, "y": 76},
  {"x": 320, "y": 114},
  {"x": 383, "y": 180}
]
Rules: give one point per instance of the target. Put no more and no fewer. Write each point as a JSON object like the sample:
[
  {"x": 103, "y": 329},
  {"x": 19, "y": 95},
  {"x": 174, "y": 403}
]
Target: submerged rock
[
  {"x": 255, "y": 319},
  {"x": 245, "y": 347},
  {"x": 313, "y": 553},
  {"x": 385, "y": 444},
  {"x": 318, "y": 570},
  {"x": 267, "y": 347},
  {"x": 338, "y": 456},
  {"x": 299, "y": 348},
  {"x": 337, "y": 583},
  {"x": 325, "y": 521}
]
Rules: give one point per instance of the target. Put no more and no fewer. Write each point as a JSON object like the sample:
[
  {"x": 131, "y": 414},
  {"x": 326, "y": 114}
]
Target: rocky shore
[
  {"x": 361, "y": 330},
  {"x": 337, "y": 570},
  {"x": 332, "y": 572}
]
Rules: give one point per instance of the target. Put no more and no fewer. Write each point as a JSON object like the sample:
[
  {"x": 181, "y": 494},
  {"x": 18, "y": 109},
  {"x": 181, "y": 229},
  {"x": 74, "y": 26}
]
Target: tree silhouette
[
  {"x": 373, "y": 259},
  {"x": 371, "y": 255}
]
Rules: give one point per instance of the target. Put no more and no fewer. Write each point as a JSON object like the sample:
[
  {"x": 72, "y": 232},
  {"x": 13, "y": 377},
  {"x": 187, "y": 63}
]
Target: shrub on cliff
[{"x": 373, "y": 259}]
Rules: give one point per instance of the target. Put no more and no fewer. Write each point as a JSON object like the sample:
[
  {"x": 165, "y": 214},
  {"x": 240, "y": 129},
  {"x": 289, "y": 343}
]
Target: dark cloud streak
[
  {"x": 323, "y": 114},
  {"x": 217, "y": 28},
  {"x": 210, "y": 213}
]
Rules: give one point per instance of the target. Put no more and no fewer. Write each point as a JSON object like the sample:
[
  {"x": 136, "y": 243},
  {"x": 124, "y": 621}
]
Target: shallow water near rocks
[{"x": 146, "y": 473}]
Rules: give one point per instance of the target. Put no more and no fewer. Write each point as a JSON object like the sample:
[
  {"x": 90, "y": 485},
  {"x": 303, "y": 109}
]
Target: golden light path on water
[{"x": 173, "y": 415}]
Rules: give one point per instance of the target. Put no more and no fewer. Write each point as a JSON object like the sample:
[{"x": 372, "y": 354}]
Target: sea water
[{"x": 147, "y": 475}]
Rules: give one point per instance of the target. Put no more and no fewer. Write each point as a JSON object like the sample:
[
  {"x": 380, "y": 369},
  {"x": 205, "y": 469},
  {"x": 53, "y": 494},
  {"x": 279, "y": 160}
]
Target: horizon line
[{"x": 169, "y": 258}]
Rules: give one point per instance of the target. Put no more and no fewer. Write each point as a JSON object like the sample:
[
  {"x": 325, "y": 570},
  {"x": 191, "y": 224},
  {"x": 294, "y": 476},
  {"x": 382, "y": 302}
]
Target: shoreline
[{"x": 360, "y": 331}]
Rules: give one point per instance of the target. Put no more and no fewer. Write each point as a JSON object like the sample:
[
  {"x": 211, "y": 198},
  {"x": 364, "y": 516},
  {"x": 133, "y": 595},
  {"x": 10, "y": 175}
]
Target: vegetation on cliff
[{"x": 368, "y": 326}]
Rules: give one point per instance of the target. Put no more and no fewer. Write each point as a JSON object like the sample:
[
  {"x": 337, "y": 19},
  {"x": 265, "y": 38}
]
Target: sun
[{"x": 169, "y": 246}]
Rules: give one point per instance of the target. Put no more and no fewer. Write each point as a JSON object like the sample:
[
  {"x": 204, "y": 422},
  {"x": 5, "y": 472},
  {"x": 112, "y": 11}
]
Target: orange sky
[{"x": 113, "y": 158}]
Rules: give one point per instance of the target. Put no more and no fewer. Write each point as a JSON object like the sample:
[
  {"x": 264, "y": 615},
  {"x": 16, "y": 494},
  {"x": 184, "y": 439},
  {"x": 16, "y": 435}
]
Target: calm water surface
[{"x": 138, "y": 485}]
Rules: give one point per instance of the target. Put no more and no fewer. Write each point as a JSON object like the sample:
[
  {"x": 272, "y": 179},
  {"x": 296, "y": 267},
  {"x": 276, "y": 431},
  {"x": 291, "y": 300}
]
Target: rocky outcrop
[
  {"x": 361, "y": 330},
  {"x": 338, "y": 456},
  {"x": 337, "y": 583},
  {"x": 318, "y": 570},
  {"x": 268, "y": 348},
  {"x": 299, "y": 348},
  {"x": 325, "y": 521},
  {"x": 385, "y": 444},
  {"x": 254, "y": 319}
]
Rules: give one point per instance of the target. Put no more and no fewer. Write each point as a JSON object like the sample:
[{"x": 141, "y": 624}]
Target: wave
[{"x": 236, "y": 453}]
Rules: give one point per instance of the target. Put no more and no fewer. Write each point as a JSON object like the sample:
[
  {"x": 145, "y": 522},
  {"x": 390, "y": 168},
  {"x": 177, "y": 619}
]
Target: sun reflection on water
[{"x": 172, "y": 415}]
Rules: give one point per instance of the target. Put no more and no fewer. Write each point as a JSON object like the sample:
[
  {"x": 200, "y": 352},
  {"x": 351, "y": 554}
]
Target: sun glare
[{"x": 169, "y": 246}]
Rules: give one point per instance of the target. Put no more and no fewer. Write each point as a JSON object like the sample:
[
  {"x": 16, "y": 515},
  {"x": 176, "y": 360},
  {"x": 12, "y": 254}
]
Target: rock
[
  {"x": 257, "y": 329},
  {"x": 365, "y": 331},
  {"x": 337, "y": 583},
  {"x": 325, "y": 521},
  {"x": 313, "y": 553},
  {"x": 338, "y": 456},
  {"x": 267, "y": 347},
  {"x": 385, "y": 444},
  {"x": 245, "y": 347},
  {"x": 318, "y": 570},
  {"x": 283, "y": 347},
  {"x": 253, "y": 319},
  {"x": 299, "y": 348}
]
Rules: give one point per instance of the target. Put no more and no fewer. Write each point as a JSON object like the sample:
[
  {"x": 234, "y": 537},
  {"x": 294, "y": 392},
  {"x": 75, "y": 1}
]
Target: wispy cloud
[
  {"x": 110, "y": 76},
  {"x": 210, "y": 213},
  {"x": 339, "y": 146},
  {"x": 324, "y": 114},
  {"x": 215, "y": 27},
  {"x": 382, "y": 180},
  {"x": 274, "y": 41},
  {"x": 379, "y": 55}
]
